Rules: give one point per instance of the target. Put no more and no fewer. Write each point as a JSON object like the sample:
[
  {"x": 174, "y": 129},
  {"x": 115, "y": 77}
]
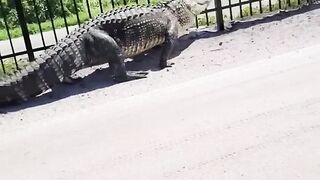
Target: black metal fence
[{"x": 77, "y": 11}]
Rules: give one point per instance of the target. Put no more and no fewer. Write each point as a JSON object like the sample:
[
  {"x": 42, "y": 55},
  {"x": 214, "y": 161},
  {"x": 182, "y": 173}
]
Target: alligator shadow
[
  {"x": 100, "y": 77},
  {"x": 146, "y": 62}
]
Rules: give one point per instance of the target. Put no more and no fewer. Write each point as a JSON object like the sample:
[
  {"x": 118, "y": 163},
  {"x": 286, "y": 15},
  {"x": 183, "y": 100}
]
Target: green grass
[
  {"x": 59, "y": 21},
  {"x": 265, "y": 9},
  {"x": 10, "y": 66},
  {"x": 45, "y": 26},
  {"x": 202, "y": 20}
]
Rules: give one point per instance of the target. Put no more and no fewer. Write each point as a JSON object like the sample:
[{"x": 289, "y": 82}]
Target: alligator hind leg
[
  {"x": 101, "y": 48},
  {"x": 171, "y": 37},
  {"x": 166, "y": 51}
]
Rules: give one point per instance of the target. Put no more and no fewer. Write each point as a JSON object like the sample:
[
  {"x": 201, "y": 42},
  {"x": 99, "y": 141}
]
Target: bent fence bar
[{"x": 81, "y": 10}]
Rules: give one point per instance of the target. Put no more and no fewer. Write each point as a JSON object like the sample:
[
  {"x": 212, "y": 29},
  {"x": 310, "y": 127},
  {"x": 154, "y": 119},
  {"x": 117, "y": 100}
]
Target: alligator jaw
[{"x": 197, "y": 6}]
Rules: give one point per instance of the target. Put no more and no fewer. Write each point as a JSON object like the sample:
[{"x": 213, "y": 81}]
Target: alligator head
[
  {"x": 185, "y": 10},
  {"x": 197, "y": 6}
]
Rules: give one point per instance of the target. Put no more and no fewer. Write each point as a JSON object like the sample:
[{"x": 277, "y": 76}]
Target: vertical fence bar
[
  {"x": 240, "y": 8},
  {"x": 8, "y": 33},
  {"x": 52, "y": 21},
  {"x": 38, "y": 21},
  {"x": 24, "y": 29},
  {"x": 207, "y": 18},
  {"x": 260, "y": 6},
  {"x": 88, "y": 9},
  {"x": 76, "y": 10},
  {"x": 279, "y": 1},
  {"x": 197, "y": 23},
  {"x": 64, "y": 17},
  {"x": 112, "y": 3},
  {"x": 270, "y": 5},
  {"x": 219, "y": 15},
  {"x": 100, "y": 4},
  {"x": 2, "y": 64},
  {"x": 230, "y": 10},
  {"x": 250, "y": 7}
]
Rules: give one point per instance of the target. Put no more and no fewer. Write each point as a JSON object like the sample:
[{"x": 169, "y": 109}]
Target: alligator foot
[
  {"x": 131, "y": 76},
  {"x": 165, "y": 65},
  {"x": 72, "y": 79}
]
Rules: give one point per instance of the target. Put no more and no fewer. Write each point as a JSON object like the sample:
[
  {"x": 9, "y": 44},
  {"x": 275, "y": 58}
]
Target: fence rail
[{"x": 79, "y": 10}]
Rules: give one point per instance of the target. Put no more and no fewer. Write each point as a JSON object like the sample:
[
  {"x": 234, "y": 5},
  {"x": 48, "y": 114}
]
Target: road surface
[{"x": 256, "y": 121}]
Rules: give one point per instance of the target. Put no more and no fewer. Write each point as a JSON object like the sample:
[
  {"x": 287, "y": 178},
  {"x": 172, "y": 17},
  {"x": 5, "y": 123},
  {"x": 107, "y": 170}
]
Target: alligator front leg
[
  {"x": 101, "y": 48},
  {"x": 171, "y": 37},
  {"x": 117, "y": 64}
]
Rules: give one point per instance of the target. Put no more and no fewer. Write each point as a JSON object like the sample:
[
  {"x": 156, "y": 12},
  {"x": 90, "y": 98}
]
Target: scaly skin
[{"x": 109, "y": 38}]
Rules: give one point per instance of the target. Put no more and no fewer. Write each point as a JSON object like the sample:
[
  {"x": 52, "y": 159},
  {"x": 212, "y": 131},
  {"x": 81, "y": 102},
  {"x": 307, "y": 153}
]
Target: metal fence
[{"x": 12, "y": 49}]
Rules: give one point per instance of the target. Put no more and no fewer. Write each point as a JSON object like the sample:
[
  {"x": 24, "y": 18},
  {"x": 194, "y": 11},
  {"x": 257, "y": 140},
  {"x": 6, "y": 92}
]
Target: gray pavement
[{"x": 256, "y": 121}]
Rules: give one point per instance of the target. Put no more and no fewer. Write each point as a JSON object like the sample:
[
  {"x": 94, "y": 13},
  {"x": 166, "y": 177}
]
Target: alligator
[{"x": 110, "y": 38}]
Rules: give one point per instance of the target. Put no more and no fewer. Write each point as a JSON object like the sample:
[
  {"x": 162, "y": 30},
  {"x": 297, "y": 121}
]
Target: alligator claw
[
  {"x": 166, "y": 65},
  {"x": 143, "y": 73},
  {"x": 131, "y": 76},
  {"x": 72, "y": 79}
]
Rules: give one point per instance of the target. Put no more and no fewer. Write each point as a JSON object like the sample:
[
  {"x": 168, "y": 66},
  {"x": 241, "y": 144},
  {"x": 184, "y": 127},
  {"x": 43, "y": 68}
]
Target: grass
[
  {"x": 10, "y": 66},
  {"x": 45, "y": 26},
  {"x": 202, "y": 20},
  {"x": 59, "y": 21},
  {"x": 274, "y": 7}
]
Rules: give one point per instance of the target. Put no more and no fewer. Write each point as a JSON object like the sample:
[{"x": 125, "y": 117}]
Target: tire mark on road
[
  {"x": 248, "y": 149},
  {"x": 158, "y": 148}
]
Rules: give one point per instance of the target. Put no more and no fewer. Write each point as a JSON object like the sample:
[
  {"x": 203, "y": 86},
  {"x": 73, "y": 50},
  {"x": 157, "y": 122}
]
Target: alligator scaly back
[{"x": 53, "y": 66}]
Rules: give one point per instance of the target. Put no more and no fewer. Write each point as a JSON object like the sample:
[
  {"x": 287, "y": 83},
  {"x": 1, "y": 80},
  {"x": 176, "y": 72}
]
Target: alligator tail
[
  {"x": 53, "y": 66},
  {"x": 28, "y": 82}
]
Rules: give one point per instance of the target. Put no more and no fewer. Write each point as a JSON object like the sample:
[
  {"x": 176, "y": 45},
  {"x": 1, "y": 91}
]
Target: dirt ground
[{"x": 185, "y": 122}]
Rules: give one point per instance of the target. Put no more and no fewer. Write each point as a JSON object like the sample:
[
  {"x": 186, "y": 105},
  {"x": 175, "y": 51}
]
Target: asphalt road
[{"x": 256, "y": 121}]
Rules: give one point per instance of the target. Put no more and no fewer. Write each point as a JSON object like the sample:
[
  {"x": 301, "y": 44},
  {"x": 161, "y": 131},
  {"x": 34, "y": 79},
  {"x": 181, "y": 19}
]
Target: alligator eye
[
  {"x": 202, "y": 3},
  {"x": 188, "y": 6}
]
